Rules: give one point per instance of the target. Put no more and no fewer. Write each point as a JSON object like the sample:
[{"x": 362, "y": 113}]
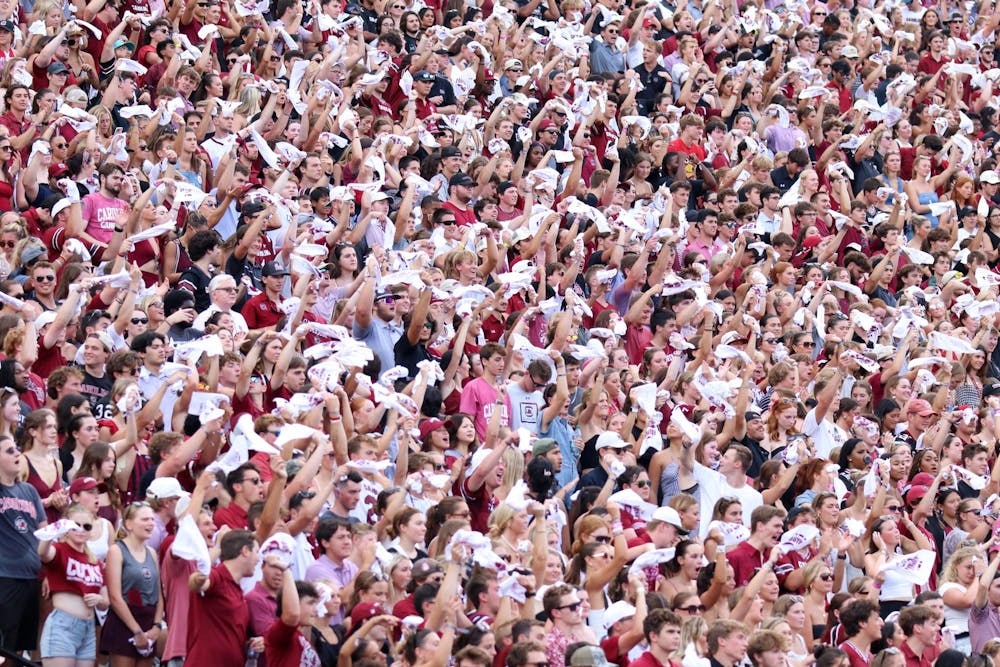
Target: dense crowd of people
[{"x": 521, "y": 333}]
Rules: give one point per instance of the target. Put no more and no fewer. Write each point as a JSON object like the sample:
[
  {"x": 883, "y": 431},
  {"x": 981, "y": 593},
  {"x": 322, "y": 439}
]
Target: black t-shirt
[
  {"x": 196, "y": 281},
  {"x": 409, "y": 356},
  {"x": 95, "y": 389}
]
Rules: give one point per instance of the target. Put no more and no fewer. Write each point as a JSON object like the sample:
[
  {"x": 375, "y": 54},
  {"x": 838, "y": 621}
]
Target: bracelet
[
  {"x": 842, "y": 557},
  {"x": 335, "y": 419},
  {"x": 119, "y": 229},
  {"x": 500, "y": 402}
]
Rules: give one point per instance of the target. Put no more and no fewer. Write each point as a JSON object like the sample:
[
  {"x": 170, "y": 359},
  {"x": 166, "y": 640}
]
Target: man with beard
[
  {"x": 101, "y": 209},
  {"x": 460, "y": 189}
]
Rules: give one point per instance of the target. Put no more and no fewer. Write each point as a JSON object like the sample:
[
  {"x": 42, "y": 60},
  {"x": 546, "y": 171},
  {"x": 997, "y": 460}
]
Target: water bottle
[{"x": 251, "y": 658}]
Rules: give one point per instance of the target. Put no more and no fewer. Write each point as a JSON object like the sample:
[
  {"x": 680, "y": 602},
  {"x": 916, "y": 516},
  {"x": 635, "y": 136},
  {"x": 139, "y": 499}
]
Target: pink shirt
[
  {"x": 479, "y": 400},
  {"x": 101, "y": 215}
]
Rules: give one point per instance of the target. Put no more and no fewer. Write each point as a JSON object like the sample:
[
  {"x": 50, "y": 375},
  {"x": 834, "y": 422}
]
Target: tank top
[
  {"x": 140, "y": 581},
  {"x": 52, "y": 514},
  {"x": 99, "y": 545}
]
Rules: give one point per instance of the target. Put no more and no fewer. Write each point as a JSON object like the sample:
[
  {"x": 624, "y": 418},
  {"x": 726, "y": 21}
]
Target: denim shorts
[{"x": 66, "y": 636}]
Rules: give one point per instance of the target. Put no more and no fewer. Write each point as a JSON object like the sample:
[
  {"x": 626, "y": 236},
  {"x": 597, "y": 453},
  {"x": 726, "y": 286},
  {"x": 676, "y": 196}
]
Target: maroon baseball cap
[
  {"x": 83, "y": 484},
  {"x": 429, "y": 425},
  {"x": 362, "y": 612}
]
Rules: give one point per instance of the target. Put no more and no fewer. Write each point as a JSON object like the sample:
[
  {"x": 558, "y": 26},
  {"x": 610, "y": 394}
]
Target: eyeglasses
[
  {"x": 139, "y": 320},
  {"x": 45, "y": 279},
  {"x": 693, "y": 609},
  {"x": 231, "y": 290},
  {"x": 603, "y": 539},
  {"x": 826, "y": 576}
]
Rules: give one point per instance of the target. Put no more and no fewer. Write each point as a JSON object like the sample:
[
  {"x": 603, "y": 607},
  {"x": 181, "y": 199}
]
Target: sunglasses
[
  {"x": 643, "y": 483},
  {"x": 274, "y": 433},
  {"x": 894, "y": 508},
  {"x": 573, "y": 606},
  {"x": 808, "y": 343},
  {"x": 603, "y": 539},
  {"x": 12, "y": 450},
  {"x": 440, "y": 466},
  {"x": 388, "y": 299},
  {"x": 86, "y": 527},
  {"x": 45, "y": 279},
  {"x": 139, "y": 320},
  {"x": 8, "y": 244},
  {"x": 826, "y": 576},
  {"x": 693, "y": 609}
]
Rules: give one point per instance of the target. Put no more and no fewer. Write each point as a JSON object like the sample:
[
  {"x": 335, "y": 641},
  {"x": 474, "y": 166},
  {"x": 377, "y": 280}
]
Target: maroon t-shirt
[
  {"x": 481, "y": 504},
  {"x": 219, "y": 618}
]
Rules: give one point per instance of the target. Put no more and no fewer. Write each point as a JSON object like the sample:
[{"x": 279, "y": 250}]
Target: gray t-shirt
[
  {"x": 21, "y": 513},
  {"x": 526, "y": 407}
]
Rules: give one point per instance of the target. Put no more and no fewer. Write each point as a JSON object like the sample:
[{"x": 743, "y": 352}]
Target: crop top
[{"x": 72, "y": 572}]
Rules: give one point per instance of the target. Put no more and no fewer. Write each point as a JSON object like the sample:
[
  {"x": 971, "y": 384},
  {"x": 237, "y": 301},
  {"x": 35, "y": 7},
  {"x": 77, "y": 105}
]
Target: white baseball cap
[
  {"x": 668, "y": 515},
  {"x": 165, "y": 487}
]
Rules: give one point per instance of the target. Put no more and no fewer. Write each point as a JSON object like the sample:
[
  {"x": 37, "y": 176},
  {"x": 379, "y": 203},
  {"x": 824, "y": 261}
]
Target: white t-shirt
[
  {"x": 712, "y": 486},
  {"x": 823, "y": 433},
  {"x": 525, "y": 407}
]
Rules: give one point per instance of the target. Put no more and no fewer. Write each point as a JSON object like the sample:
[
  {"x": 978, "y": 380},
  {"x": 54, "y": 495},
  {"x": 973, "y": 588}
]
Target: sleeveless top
[
  {"x": 108, "y": 512},
  {"x": 142, "y": 464},
  {"x": 140, "y": 581},
  {"x": 52, "y": 514},
  {"x": 928, "y": 198},
  {"x": 99, "y": 545},
  {"x": 670, "y": 484}
]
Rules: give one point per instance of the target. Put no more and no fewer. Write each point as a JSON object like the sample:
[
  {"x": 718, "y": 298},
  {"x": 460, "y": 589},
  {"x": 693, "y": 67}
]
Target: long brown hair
[{"x": 90, "y": 466}]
